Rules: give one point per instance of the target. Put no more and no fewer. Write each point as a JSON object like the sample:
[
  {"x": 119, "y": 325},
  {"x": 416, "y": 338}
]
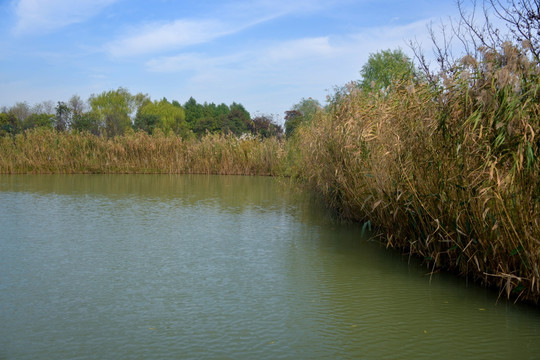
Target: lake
[{"x": 224, "y": 267}]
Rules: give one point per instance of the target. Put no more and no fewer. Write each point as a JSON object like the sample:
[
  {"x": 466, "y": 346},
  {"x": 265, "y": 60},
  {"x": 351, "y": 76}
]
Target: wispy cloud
[
  {"x": 39, "y": 16},
  {"x": 177, "y": 34},
  {"x": 264, "y": 55},
  {"x": 229, "y": 19}
]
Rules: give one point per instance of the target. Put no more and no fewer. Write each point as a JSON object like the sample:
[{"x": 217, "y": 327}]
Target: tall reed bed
[
  {"x": 450, "y": 173},
  {"x": 47, "y": 151}
]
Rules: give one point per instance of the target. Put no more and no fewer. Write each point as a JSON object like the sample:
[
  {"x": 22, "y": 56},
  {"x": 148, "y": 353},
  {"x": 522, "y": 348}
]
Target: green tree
[
  {"x": 206, "y": 124},
  {"x": 194, "y": 111},
  {"x": 238, "y": 119},
  {"x": 146, "y": 122},
  {"x": 9, "y": 124},
  {"x": 88, "y": 122},
  {"x": 384, "y": 67},
  {"x": 303, "y": 112},
  {"x": 38, "y": 120},
  {"x": 114, "y": 109},
  {"x": 63, "y": 116},
  {"x": 293, "y": 119},
  {"x": 164, "y": 115}
]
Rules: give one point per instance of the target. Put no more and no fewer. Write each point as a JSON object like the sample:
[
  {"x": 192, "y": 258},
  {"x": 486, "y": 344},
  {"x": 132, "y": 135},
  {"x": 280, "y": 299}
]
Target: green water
[{"x": 223, "y": 267}]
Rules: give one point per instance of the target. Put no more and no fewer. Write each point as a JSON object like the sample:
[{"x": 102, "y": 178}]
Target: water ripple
[{"x": 192, "y": 275}]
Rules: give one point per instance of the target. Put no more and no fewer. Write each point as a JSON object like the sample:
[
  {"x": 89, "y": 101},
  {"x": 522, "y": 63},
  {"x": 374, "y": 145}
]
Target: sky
[{"x": 264, "y": 54}]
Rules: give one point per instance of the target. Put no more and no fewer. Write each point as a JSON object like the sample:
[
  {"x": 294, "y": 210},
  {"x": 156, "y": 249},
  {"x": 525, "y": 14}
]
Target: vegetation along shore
[{"x": 444, "y": 163}]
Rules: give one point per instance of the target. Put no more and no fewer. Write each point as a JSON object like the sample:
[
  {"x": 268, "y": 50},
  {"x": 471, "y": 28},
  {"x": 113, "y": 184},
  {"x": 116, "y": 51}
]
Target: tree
[
  {"x": 237, "y": 120},
  {"x": 38, "y": 120},
  {"x": 206, "y": 124},
  {"x": 9, "y": 124},
  {"x": 522, "y": 18},
  {"x": 77, "y": 105},
  {"x": 147, "y": 122},
  {"x": 384, "y": 67},
  {"x": 303, "y": 112},
  {"x": 293, "y": 119},
  {"x": 63, "y": 116},
  {"x": 209, "y": 117},
  {"x": 265, "y": 126},
  {"x": 45, "y": 107},
  {"x": 88, "y": 122},
  {"x": 194, "y": 111},
  {"x": 21, "y": 110},
  {"x": 115, "y": 107},
  {"x": 164, "y": 115}
]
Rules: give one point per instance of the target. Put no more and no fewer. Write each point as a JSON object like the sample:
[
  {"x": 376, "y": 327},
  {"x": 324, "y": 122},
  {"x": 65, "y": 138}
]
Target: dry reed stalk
[
  {"x": 452, "y": 175},
  {"x": 47, "y": 151}
]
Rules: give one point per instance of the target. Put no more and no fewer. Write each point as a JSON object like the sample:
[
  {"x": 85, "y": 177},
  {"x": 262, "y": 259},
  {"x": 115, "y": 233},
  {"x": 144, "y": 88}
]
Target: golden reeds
[
  {"x": 47, "y": 151},
  {"x": 451, "y": 174}
]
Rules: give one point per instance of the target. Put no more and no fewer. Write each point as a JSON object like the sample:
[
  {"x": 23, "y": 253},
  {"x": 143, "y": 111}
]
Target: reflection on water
[{"x": 160, "y": 266}]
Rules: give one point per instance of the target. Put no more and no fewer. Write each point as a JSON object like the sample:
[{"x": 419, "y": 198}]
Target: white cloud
[
  {"x": 38, "y": 16},
  {"x": 173, "y": 35},
  {"x": 228, "y": 19},
  {"x": 282, "y": 53}
]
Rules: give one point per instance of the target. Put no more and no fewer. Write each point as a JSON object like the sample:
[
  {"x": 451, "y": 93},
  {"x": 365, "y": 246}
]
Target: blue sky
[{"x": 265, "y": 54}]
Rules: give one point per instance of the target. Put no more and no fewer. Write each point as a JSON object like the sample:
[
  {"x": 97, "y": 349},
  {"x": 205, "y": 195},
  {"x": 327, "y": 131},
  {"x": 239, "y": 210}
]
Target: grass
[{"x": 47, "y": 151}]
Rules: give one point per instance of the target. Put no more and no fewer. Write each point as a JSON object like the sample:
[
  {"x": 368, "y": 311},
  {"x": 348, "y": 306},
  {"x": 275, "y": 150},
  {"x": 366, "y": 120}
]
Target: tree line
[{"x": 116, "y": 112}]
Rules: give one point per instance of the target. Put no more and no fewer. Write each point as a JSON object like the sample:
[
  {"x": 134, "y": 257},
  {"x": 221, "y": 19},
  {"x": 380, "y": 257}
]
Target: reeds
[
  {"x": 448, "y": 173},
  {"x": 47, "y": 151}
]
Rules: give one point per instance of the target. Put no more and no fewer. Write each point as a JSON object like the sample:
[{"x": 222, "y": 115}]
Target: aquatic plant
[
  {"x": 449, "y": 171},
  {"x": 49, "y": 151}
]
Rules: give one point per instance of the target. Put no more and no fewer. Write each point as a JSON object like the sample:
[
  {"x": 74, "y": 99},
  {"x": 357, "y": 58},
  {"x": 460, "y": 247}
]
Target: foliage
[
  {"x": 163, "y": 115},
  {"x": 212, "y": 118},
  {"x": 237, "y": 119},
  {"x": 63, "y": 116},
  {"x": 265, "y": 126},
  {"x": 21, "y": 111},
  {"x": 9, "y": 124},
  {"x": 114, "y": 109},
  {"x": 86, "y": 122},
  {"x": 293, "y": 119},
  {"x": 385, "y": 67},
  {"x": 76, "y": 105},
  {"x": 147, "y": 122},
  {"x": 301, "y": 113},
  {"x": 115, "y": 112},
  {"x": 38, "y": 120}
]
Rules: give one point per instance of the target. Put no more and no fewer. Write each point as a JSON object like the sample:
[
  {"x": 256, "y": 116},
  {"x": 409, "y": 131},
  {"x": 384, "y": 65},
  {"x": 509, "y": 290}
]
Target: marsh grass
[
  {"x": 448, "y": 173},
  {"x": 47, "y": 151}
]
